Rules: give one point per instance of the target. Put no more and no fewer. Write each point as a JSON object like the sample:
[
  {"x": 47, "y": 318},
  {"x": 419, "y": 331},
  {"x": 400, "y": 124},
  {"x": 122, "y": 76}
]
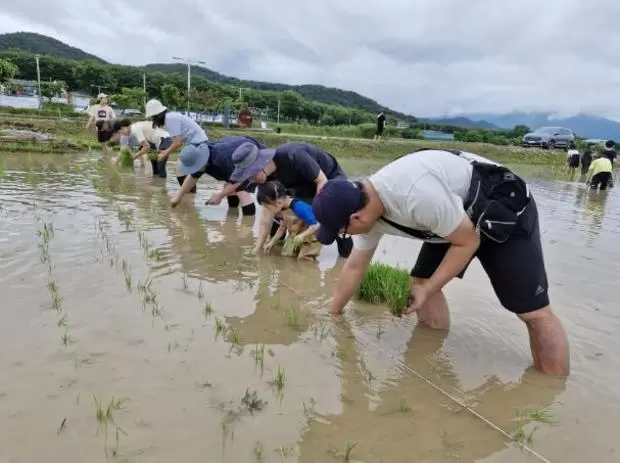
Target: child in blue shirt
[{"x": 297, "y": 218}]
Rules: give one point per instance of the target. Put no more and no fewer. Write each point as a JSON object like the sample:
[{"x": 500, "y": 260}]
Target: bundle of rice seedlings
[
  {"x": 126, "y": 159},
  {"x": 291, "y": 246},
  {"x": 384, "y": 284}
]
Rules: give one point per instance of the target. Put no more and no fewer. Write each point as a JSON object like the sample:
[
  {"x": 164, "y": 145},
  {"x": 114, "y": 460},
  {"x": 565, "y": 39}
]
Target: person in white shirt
[
  {"x": 462, "y": 206},
  {"x": 184, "y": 132},
  {"x": 102, "y": 114},
  {"x": 147, "y": 137},
  {"x": 572, "y": 156}
]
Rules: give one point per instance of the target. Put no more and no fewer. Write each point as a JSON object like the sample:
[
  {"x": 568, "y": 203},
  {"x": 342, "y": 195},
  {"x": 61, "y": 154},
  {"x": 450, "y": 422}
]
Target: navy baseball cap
[{"x": 333, "y": 206}]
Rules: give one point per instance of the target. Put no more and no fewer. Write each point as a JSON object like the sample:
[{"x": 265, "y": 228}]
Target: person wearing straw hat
[
  {"x": 302, "y": 168},
  {"x": 102, "y": 114},
  {"x": 220, "y": 166},
  {"x": 461, "y": 206},
  {"x": 185, "y": 133}
]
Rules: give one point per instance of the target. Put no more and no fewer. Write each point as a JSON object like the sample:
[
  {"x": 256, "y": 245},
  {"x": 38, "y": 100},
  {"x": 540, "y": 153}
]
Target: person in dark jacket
[
  {"x": 586, "y": 159},
  {"x": 610, "y": 153},
  {"x": 220, "y": 166},
  {"x": 302, "y": 168}
]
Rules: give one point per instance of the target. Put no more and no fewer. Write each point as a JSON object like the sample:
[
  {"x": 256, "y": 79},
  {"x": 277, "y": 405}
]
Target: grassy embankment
[{"x": 71, "y": 136}]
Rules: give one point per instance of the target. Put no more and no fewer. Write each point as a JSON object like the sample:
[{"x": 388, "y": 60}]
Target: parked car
[
  {"x": 549, "y": 137},
  {"x": 130, "y": 112}
]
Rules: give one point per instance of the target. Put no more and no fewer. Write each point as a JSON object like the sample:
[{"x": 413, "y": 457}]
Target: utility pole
[
  {"x": 144, "y": 89},
  {"x": 278, "y": 110},
  {"x": 36, "y": 57},
  {"x": 189, "y": 63}
]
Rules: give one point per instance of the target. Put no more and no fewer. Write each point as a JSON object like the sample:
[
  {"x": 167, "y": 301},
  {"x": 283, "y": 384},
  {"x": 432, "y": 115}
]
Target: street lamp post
[
  {"x": 144, "y": 89},
  {"x": 189, "y": 63},
  {"x": 36, "y": 57}
]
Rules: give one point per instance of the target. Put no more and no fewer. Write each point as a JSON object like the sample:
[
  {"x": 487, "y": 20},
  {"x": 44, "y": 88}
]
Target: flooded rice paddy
[{"x": 136, "y": 333}]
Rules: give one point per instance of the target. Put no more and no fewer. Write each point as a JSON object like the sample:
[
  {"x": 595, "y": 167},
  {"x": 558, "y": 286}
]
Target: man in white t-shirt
[
  {"x": 149, "y": 138},
  {"x": 447, "y": 200}
]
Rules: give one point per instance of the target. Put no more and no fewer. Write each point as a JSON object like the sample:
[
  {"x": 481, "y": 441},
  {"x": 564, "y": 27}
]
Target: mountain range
[{"x": 584, "y": 125}]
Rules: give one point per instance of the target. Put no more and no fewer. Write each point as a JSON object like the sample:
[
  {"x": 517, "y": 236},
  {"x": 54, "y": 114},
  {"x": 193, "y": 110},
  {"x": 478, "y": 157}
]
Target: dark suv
[{"x": 549, "y": 138}]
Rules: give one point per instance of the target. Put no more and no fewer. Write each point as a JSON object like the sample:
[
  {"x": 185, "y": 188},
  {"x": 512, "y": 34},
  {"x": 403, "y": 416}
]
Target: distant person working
[
  {"x": 150, "y": 140},
  {"x": 599, "y": 173},
  {"x": 380, "y": 125},
  {"x": 610, "y": 153},
  {"x": 462, "y": 206}
]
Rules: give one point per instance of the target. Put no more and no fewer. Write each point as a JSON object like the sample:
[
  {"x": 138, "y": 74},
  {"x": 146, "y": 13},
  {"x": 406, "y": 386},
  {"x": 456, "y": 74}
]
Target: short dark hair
[
  {"x": 120, "y": 124},
  {"x": 270, "y": 192},
  {"x": 610, "y": 144}
]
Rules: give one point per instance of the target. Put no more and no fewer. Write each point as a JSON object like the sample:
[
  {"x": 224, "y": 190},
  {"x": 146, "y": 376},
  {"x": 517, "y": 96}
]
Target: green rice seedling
[
  {"x": 201, "y": 293},
  {"x": 207, "y": 310},
  {"x": 66, "y": 339},
  {"x": 348, "y": 449},
  {"x": 278, "y": 380},
  {"x": 404, "y": 406},
  {"x": 125, "y": 217},
  {"x": 383, "y": 284},
  {"x": 128, "y": 283},
  {"x": 252, "y": 402},
  {"x": 61, "y": 428},
  {"x": 119, "y": 404},
  {"x": 125, "y": 266},
  {"x": 145, "y": 286},
  {"x": 292, "y": 317},
  {"x": 56, "y": 302},
  {"x": 105, "y": 418},
  {"x": 285, "y": 452},
  {"x": 321, "y": 331},
  {"x": 155, "y": 309},
  {"x": 142, "y": 238},
  {"x": 220, "y": 328},
  {"x": 52, "y": 287},
  {"x": 126, "y": 160},
  {"x": 258, "y": 452},
  {"x": 259, "y": 355},
  {"x": 309, "y": 409},
  {"x": 543, "y": 416},
  {"x": 380, "y": 332},
  {"x": 227, "y": 426},
  {"x": 291, "y": 246},
  {"x": 184, "y": 282},
  {"x": 62, "y": 321},
  {"x": 234, "y": 337},
  {"x": 154, "y": 254}
]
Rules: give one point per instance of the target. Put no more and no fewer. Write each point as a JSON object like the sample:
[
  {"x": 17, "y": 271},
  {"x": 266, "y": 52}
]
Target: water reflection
[
  {"x": 592, "y": 205},
  {"x": 372, "y": 353},
  {"x": 403, "y": 419},
  {"x": 289, "y": 294}
]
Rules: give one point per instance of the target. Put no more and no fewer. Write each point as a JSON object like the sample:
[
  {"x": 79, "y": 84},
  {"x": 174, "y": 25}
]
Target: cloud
[{"x": 429, "y": 57}]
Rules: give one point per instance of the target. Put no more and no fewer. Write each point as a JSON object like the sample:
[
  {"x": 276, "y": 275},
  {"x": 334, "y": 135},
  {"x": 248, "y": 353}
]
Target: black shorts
[
  {"x": 103, "y": 136},
  {"x": 516, "y": 267},
  {"x": 601, "y": 181},
  {"x": 573, "y": 161}
]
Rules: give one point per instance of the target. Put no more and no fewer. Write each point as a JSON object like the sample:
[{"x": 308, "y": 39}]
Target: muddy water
[{"x": 355, "y": 382}]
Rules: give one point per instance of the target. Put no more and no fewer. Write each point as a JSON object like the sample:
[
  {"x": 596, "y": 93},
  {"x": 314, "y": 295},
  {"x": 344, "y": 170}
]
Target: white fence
[{"x": 23, "y": 102}]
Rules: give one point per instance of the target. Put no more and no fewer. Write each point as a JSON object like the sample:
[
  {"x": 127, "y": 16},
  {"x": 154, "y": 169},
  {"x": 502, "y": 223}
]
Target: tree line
[{"x": 124, "y": 83}]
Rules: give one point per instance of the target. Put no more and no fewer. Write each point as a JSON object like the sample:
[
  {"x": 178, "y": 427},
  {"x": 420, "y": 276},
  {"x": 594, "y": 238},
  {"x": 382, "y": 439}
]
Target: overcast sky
[{"x": 423, "y": 57}]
